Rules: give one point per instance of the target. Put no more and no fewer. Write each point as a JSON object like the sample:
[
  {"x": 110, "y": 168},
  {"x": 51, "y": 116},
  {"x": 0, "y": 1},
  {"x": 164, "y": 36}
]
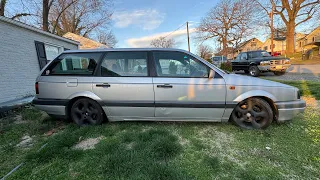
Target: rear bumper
[
  {"x": 51, "y": 106},
  {"x": 287, "y": 110}
]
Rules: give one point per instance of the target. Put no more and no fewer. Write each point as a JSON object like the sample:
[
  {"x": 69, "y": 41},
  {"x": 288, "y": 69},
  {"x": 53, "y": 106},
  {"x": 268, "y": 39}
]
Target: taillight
[{"x": 36, "y": 85}]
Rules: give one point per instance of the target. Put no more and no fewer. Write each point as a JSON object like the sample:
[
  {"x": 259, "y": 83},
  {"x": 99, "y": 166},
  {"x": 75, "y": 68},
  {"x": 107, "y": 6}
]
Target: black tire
[
  {"x": 254, "y": 71},
  {"x": 86, "y": 111},
  {"x": 252, "y": 113},
  {"x": 278, "y": 73},
  {"x": 246, "y": 71}
]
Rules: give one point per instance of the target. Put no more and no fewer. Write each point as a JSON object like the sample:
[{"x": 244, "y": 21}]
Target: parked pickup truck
[{"x": 255, "y": 62}]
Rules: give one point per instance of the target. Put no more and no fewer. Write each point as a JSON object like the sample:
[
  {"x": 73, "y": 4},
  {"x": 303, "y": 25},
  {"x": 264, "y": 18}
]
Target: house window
[
  {"x": 253, "y": 44},
  {"x": 265, "y": 48},
  {"x": 300, "y": 44},
  {"x": 313, "y": 39},
  {"x": 52, "y": 51},
  {"x": 273, "y": 46}
]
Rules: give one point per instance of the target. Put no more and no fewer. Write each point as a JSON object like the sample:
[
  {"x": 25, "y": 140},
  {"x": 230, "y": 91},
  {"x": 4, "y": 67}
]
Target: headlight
[
  {"x": 263, "y": 63},
  {"x": 287, "y": 61}
]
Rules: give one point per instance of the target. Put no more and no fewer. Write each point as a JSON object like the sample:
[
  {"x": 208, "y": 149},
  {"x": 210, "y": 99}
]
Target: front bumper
[
  {"x": 287, "y": 110},
  {"x": 279, "y": 68}
]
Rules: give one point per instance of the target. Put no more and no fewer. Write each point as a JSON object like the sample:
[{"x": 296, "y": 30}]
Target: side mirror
[{"x": 211, "y": 74}]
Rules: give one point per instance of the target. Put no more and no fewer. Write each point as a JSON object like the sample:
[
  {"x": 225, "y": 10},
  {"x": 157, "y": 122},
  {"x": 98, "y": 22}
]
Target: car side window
[
  {"x": 127, "y": 64},
  {"x": 178, "y": 64},
  {"x": 238, "y": 57},
  {"x": 244, "y": 57},
  {"x": 74, "y": 64}
]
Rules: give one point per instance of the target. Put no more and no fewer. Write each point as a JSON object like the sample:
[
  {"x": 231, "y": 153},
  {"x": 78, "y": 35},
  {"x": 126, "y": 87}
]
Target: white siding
[{"x": 19, "y": 64}]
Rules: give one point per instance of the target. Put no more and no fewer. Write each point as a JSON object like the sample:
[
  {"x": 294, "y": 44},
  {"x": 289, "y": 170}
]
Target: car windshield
[{"x": 265, "y": 54}]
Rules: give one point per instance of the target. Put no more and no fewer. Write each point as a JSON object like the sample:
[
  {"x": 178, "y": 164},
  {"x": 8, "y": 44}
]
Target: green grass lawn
[{"x": 161, "y": 150}]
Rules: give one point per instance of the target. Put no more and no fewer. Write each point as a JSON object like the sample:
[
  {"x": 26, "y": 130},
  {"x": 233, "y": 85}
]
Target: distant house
[
  {"x": 24, "y": 51},
  {"x": 279, "y": 44},
  {"x": 85, "y": 43},
  {"x": 249, "y": 45},
  {"x": 309, "y": 41}
]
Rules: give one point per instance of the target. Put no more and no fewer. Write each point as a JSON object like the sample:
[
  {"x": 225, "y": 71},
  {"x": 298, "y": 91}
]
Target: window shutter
[{"x": 41, "y": 53}]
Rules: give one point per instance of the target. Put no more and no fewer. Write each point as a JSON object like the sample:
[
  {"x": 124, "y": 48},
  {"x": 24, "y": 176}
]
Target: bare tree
[
  {"x": 204, "y": 51},
  {"x": 16, "y": 15},
  {"x": 228, "y": 22},
  {"x": 294, "y": 13},
  {"x": 2, "y": 6},
  {"x": 80, "y": 16},
  {"x": 162, "y": 42},
  {"x": 107, "y": 39}
]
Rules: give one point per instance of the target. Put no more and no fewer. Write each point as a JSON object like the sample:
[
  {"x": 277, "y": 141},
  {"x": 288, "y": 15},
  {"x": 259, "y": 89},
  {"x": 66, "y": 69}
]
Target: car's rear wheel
[
  {"x": 278, "y": 73},
  {"x": 254, "y": 71},
  {"x": 86, "y": 111},
  {"x": 252, "y": 113}
]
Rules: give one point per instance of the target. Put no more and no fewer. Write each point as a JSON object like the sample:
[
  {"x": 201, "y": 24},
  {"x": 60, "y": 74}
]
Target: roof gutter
[{"x": 34, "y": 29}]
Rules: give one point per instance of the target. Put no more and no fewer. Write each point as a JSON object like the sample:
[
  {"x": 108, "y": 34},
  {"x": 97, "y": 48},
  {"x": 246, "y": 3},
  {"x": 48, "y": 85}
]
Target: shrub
[{"x": 226, "y": 66}]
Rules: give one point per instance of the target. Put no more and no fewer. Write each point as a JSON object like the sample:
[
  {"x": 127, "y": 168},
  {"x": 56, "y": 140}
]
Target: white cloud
[
  {"x": 148, "y": 19},
  {"x": 146, "y": 40}
]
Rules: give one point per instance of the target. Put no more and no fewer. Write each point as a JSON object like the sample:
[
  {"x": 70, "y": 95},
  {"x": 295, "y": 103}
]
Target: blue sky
[{"x": 136, "y": 22}]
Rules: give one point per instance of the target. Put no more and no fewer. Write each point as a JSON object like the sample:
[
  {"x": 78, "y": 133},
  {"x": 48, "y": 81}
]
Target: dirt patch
[
  {"x": 311, "y": 101},
  {"x": 219, "y": 144},
  {"x": 26, "y": 142},
  {"x": 18, "y": 120},
  {"x": 88, "y": 143}
]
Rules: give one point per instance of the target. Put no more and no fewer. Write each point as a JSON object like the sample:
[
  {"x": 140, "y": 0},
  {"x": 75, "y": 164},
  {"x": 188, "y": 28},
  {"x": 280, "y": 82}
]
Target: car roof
[
  {"x": 124, "y": 49},
  {"x": 256, "y": 51}
]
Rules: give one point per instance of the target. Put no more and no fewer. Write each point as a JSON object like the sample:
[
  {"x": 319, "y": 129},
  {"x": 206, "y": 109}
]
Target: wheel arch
[{"x": 86, "y": 94}]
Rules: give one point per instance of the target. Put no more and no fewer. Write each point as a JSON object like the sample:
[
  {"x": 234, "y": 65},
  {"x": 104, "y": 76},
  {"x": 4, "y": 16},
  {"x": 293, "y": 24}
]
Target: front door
[
  {"x": 124, "y": 85},
  {"x": 183, "y": 90}
]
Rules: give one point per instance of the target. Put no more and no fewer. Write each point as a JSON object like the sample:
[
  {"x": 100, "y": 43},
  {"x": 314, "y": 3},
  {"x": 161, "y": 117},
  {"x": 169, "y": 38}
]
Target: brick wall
[{"x": 19, "y": 64}]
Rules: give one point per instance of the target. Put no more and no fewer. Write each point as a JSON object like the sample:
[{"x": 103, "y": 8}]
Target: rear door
[
  {"x": 124, "y": 85},
  {"x": 183, "y": 90}
]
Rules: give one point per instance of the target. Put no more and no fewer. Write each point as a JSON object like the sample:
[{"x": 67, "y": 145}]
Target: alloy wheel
[{"x": 252, "y": 114}]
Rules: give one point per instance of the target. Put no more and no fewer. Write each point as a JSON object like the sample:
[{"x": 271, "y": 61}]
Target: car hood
[{"x": 242, "y": 80}]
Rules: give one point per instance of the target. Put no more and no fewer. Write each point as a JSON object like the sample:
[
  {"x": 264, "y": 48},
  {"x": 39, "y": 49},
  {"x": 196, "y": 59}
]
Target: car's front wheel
[
  {"x": 252, "y": 113},
  {"x": 86, "y": 111},
  {"x": 254, "y": 71}
]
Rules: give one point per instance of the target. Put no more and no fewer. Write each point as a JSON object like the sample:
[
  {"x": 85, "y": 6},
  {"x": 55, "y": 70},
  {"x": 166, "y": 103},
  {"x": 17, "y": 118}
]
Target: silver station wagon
[{"x": 90, "y": 86}]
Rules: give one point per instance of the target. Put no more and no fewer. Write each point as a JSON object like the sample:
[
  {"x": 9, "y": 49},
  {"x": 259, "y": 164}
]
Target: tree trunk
[
  {"x": 2, "y": 5},
  {"x": 224, "y": 46},
  {"x": 290, "y": 46},
  {"x": 45, "y": 15}
]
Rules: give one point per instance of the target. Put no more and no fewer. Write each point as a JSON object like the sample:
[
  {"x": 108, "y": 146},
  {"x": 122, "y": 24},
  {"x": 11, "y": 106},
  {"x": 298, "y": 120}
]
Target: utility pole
[
  {"x": 272, "y": 29},
  {"x": 188, "y": 36}
]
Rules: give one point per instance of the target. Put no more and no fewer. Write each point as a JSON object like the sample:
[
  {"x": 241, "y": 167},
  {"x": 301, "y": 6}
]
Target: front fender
[{"x": 253, "y": 93}]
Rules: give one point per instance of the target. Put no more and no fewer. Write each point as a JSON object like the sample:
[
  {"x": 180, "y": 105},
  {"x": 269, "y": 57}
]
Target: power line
[{"x": 174, "y": 30}]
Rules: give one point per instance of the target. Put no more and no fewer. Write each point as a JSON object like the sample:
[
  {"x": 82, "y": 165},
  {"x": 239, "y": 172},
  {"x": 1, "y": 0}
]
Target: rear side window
[
  {"x": 126, "y": 64},
  {"x": 74, "y": 64}
]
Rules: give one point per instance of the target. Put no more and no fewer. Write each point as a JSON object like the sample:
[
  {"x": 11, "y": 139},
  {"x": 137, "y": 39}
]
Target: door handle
[
  {"x": 103, "y": 85},
  {"x": 165, "y": 86}
]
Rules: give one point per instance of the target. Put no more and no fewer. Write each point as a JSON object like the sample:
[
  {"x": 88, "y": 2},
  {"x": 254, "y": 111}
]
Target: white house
[{"x": 24, "y": 50}]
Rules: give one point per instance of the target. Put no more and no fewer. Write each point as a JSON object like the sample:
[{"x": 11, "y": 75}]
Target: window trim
[
  {"x": 98, "y": 69},
  {"x": 82, "y": 75},
  {"x": 208, "y": 68}
]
